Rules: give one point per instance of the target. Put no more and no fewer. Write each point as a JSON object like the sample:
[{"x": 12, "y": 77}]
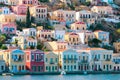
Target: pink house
[
  {"x": 20, "y": 9},
  {"x": 29, "y": 2},
  {"x": 34, "y": 60},
  {"x": 8, "y": 28}
]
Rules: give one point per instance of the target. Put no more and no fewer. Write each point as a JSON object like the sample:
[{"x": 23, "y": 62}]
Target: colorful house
[
  {"x": 85, "y": 36},
  {"x": 108, "y": 1},
  {"x": 7, "y": 18},
  {"x": 51, "y": 62},
  {"x": 25, "y": 42},
  {"x": 12, "y": 2},
  {"x": 83, "y": 60},
  {"x": 5, "y": 10},
  {"x": 116, "y": 62},
  {"x": 69, "y": 60},
  {"x": 2, "y": 63},
  {"x": 72, "y": 38},
  {"x": 100, "y": 59},
  {"x": 103, "y": 36},
  {"x": 4, "y": 1},
  {"x": 59, "y": 35},
  {"x": 102, "y": 10},
  {"x": 39, "y": 13},
  {"x": 56, "y": 45},
  {"x": 8, "y": 28},
  {"x": 78, "y": 26},
  {"x": 35, "y": 60},
  {"x": 15, "y": 60},
  {"x": 117, "y": 46},
  {"x": 20, "y": 11},
  {"x": 86, "y": 16},
  {"x": 45, "y": 35},
  {"x": 65, "y": 15},
  {"x": 30, "y": 32},
  {"x": 28, "y": 2}
]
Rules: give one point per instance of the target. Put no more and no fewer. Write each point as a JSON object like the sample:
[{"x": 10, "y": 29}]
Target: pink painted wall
[
  {"x": 30, "y": 63},
  {"x": 8, "y": 28},
  {"x": 20, "y": 9}
]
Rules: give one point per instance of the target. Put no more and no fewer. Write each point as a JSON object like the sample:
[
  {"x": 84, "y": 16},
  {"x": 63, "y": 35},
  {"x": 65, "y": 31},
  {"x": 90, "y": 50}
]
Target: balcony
[
  {"x": 17, "y": 60},
  {"x": 95, "y": 59},
  {"x": 37, "y": 60},
  {"x": 52, "y": 62},
  {"x": 69, "y": 58},
  {"x": 84, "y": 61},
  {"x": 107, "y": 59}
]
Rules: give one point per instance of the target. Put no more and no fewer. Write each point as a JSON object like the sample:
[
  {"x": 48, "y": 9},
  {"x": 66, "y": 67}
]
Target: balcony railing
[
  {"x": 38, "y": 60},
  {"x": 84, "y": 61},
  {"x": 51, "y": 62},
  {"x": 95, "y": 59},
  {"x": 17, "y": 60},
  {"x": 107, "y": 59},
  {"x": 70, "y": 58}
]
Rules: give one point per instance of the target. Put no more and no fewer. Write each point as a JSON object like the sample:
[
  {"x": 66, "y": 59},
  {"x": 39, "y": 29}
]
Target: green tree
[
  {"x": 108, "y": 47},
  {"x": 20, "y": 25},
  {"x": 71, "y": 6},
  {"x": 94, "y": 42},
  {"x": 39, "y": 46},
  {"x": 2, "y": 38},
  {"x": 44, "y": 0},
  {"x": 32, "y": 47},
  {"x": 4, "y": 47},
  {"x": 28, "y": 18},
  {"x": 98, "y": 27}
]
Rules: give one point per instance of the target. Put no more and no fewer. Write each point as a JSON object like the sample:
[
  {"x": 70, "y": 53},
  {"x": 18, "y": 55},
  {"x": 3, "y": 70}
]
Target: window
[
  {"x": 2, "y": 67},
  {"x": 56, "y": 60},
  {"x": 32, "y": 56},
  {"x": 104, "y": 67},
  {"x": 38, "y": 68},
  {"x": 22, "y": 67},
  {"x": 46, "y": 67},
  {"x": 74, "y": 66},
  {"x": 51, "y": 59},
  {"x": 65, "y": 56},
  {"x": 104, "y": 56},
  {"x": 46, "y": 59},
  {"x": 52, "y": 68},
  {"x": 27, "y": 57},
  {"x": 110, "y": 66},
  {"x": 64, "y": 67},
  {"x": 110, "y": 56}
]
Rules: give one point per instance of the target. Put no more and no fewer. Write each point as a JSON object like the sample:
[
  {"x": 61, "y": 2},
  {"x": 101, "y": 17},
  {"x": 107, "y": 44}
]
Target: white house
[
  {"x": 85, "y": 36},
  {"x": 86, "y": 16},
  {"x": 99, "y": 59},
  {"x": 59, "y": 35},
  {"x": 69, "y": 60},
  {"x": 103, "y": 36},
  {"x": 29, "y": 32}
]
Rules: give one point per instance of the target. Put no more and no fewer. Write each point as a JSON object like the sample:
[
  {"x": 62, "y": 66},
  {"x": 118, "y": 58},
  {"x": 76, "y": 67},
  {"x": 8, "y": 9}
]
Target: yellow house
[
  {"x": 117, "y": 46},
  {"x": 56, "y": 45},
  {"x": 39, "y": 12},
  {"x": 12, "y": 2},
  {"x": 78, "y": 26},
  {"x": 72, "y": 38},
  {"x": 15, "y": 60},
  {"x": 45, "y": 35},
  {"x": 25, "y": 42},
  {"x": 5, "y": 18},
  {"x": 51, "y": 62}
]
